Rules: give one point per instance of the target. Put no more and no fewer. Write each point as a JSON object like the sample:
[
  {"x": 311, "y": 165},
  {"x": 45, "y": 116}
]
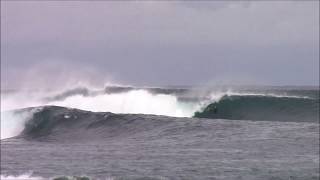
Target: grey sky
[{"x": 56, "y": 43}]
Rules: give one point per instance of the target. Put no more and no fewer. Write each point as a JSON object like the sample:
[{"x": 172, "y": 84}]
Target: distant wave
[{"x": 262, "y": 107}]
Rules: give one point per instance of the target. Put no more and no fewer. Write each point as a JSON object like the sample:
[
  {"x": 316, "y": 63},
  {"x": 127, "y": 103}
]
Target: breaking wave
[
  {"x": 54, "y": 123},
  {"x": 297, "y": 106},
  {"x": 112, "y": 99},
  {"x": 135, "y": 101}
]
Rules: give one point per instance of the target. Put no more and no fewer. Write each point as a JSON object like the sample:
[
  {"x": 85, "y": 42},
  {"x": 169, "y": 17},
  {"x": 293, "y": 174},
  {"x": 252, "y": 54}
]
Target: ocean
[{"x": 120, "y": 132}]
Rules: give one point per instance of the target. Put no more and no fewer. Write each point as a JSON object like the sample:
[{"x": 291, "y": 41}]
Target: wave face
[
  {"x": 54, "y": 123},
  {"x": 263, "y": 107}
]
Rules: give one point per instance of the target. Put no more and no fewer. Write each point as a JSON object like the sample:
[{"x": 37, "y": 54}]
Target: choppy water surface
[{"x": 100, "y": 145}]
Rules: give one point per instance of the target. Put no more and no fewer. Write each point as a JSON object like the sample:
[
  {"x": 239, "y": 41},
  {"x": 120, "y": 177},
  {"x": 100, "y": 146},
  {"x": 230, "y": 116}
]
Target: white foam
[
  {"x": 135, "y": 101},
  {"x": 26, "y": 176},
  {"x": 12, "y": 123}
]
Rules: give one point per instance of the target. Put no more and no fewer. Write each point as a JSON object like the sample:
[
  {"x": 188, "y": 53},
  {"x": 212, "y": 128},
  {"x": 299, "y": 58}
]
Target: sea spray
[{"x": 13, "y": 121}]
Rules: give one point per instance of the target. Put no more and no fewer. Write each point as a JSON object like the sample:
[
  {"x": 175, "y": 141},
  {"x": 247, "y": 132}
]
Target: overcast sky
[{"x": 56, "y": 43}]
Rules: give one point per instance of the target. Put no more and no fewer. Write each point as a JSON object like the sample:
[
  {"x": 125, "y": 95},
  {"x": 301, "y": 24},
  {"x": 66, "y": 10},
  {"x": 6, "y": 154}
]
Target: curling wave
[{"x": 262, "y": 107}]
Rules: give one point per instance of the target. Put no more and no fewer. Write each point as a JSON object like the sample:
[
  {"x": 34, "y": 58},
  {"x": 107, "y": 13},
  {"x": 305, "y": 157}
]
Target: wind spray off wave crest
[
  {"x": 13, "y": 122},
  {"x": 111, "y": 99}
]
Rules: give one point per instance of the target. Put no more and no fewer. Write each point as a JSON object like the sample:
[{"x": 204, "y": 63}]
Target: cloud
[
  {"x": 256, "y": 23},
  {"x": 146, "y": 42}
]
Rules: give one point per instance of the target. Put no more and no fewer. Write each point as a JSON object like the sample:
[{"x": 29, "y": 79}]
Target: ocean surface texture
[{"x": 163, "y": 133}]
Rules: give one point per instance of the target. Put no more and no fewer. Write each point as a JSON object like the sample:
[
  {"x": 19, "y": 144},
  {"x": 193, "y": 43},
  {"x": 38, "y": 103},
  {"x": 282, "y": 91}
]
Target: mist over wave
[
  {"x": 12, "y": 123},
  {"x": 116, "y": 99}
]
